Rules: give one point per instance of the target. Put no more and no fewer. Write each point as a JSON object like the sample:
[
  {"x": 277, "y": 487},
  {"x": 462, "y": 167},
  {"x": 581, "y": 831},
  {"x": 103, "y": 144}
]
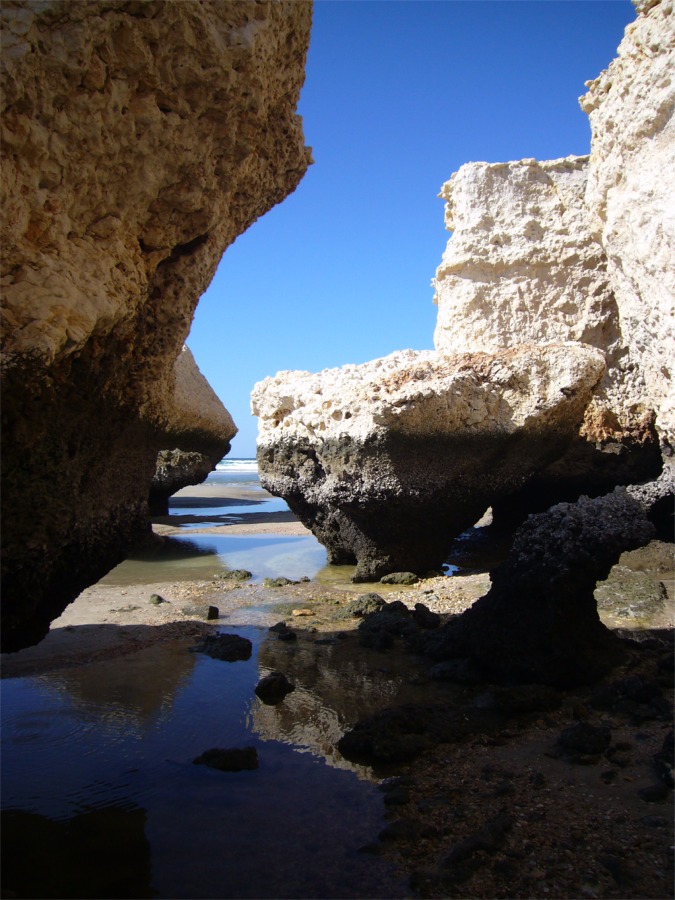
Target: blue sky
[{"x": 398, "y": 95}]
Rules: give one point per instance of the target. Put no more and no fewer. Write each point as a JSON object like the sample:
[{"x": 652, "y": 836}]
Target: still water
[
  {"x": 101, "y": 798},
  {"x": 100, "y": 795}
]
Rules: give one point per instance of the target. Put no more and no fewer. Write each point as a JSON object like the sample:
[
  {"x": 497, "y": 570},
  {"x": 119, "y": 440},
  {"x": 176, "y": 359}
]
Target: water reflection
[
  {"x": 122, "y": 736},
  {"x": 336, "y": 684},
  {"x": 195, "y": 557}
]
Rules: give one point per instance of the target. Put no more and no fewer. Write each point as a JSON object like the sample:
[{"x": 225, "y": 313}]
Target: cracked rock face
[
  {"x": 523, "y": 264},
  {"x": 630, "y": 107},
  {"x": 139, "y": 139},
  {"x": 386, "y": 462}
]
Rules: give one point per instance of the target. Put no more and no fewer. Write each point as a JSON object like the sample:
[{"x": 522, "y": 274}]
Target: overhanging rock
[
  {"x": 387, "y": 461},
  {"x": 139, "y": 140}
]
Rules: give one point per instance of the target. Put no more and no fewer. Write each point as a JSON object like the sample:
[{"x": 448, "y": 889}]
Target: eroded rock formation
[
  {"x": 523, "y": 265},
  {"x": 539, "y": 622},
  {"x": 139, "y": 139},
  {"x": 199, "y": 432},
  {"x": 386, "y": 462},
  {"x": 541, "y": 253}
]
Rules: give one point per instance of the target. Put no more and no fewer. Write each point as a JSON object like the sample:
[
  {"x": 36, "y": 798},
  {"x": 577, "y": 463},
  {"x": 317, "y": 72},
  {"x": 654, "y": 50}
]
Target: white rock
[
  {"x": 523, "y": 266},
  {"x": 631, "y": 192}
]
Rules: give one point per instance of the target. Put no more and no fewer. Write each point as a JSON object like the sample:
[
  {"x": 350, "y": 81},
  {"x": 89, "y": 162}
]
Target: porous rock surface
[
  {"x": 387, "y": 461},
  {"x": 139, "y": 139},
  {"x": 539, "y": 621},
  {"x": 523, "y": 265},
  {"x": 199, "y": 432},
  {"x": 630, "y": 195}
]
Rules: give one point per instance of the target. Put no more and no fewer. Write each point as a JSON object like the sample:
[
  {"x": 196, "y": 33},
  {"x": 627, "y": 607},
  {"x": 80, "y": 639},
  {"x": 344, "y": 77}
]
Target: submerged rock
[
  {"x": 273, "y": 688},
  {"x": 386, "y": 462},
  {"x": 228, "y": 647},
  {"x": 232, "y": 759}
]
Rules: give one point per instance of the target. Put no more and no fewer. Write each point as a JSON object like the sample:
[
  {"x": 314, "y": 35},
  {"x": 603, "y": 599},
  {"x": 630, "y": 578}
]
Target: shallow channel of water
[
  {"x": 100, "y": 795},
  {"x": 101, "y": 798}
]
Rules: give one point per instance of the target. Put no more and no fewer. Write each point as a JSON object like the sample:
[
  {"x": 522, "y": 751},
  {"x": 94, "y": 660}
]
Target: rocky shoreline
[{"x": 499, "y": 807}]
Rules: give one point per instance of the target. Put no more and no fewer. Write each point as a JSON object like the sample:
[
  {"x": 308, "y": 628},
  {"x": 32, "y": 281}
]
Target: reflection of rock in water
[
  {"x": 103, "y": 853},
  {"x": 335, "y": 686},
  {"x": 132, "y": 690}
]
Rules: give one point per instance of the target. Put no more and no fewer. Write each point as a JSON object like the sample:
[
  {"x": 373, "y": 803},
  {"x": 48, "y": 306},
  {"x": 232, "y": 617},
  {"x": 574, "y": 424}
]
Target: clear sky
[{"x": 398, "y": 95}]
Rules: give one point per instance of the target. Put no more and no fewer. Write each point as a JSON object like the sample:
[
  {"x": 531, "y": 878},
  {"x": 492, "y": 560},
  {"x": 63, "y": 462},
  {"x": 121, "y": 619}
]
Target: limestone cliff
[
  {"x": 139, "y": 139},
  {"x": 197, "y": 437},
  {"x": 630, "y": 195},
  {"x": 523, "y": 264}
]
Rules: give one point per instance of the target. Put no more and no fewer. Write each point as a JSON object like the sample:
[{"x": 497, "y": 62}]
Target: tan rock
[
  {"x": 138, "y": 141},
  {"x": 199, "y": 432},
  {"x": 523, "y": 266}
]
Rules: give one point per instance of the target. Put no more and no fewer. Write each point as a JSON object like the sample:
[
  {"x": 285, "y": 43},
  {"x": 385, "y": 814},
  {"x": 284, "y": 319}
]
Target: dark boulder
[
  {"x": 228, "y": 647},
  {"x": 273, "y": 688},
  {"x": 539, "y": 621}
]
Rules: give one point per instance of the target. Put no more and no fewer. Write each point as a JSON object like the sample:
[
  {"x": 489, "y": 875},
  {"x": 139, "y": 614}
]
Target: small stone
[
  {"x": 201, "y": 611},
  {"x": 364, "y": 605},
  {"x": 234, "y": 759},
  {"x": 584, "y": 739},
  {"x": 425, "y": 618},
  {"x": 302, "y": 612},
  {"x": 273, "y": 688},
  {"x": 655, "y": 821},
  {"x": 397, "y": 796},
  {"x": 399, "y": 578},
  {"x": 235, "y": 575},
  {"x": 654, "y": 793}
]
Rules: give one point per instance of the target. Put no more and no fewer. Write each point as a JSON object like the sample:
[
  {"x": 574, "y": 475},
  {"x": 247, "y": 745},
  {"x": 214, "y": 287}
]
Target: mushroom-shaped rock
[
  {"x": 539, "y": 620},
  {"x": 387, "y": 461}
]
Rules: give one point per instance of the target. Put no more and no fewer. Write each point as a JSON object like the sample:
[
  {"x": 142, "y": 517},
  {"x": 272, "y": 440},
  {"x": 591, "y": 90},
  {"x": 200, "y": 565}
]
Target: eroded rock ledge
[
  {"x": 386, "y": 462},
  {"x": 139, "y": 139},
  {"x": 199, "y": 433}
]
